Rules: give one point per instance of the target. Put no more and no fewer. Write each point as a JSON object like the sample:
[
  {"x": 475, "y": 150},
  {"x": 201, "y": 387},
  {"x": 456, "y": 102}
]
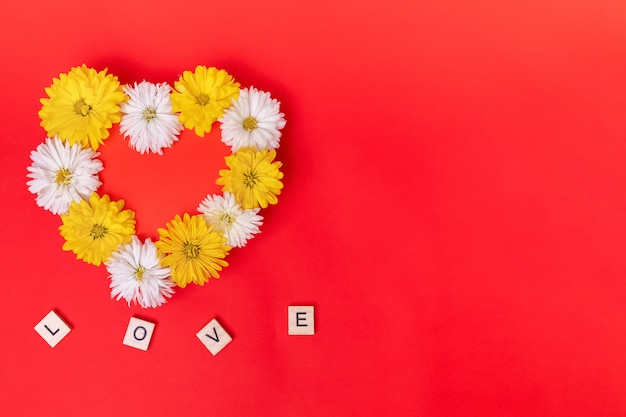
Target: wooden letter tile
[
  {"x": 214, "y": 337},
  {"x": 138, "y": 333},
  {"x": 52, "y": 328},
  {"x": 301, "y": 320}
]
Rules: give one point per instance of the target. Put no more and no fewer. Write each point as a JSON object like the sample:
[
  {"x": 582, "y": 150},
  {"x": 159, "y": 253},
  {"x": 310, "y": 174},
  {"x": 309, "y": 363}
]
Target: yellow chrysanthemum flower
[
  {"x": 201, "y": 97},
  {"x": 192, "y": 250},
  {"x": 253, "y": 177},
  {"x": 94, "y": 229},
  {"x": 82, "y": 106}
]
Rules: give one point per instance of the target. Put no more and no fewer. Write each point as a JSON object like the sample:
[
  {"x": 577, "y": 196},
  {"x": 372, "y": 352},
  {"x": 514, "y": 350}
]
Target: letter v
[
  {"x": 216, "y": 338},
  {"x": 53, "y": 333}
]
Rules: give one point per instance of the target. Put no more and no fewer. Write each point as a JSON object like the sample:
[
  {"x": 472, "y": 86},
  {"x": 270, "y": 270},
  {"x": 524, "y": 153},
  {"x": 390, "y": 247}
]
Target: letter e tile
[
  {"x": 138, "y": 333},
  {"x": 301, "y": 320},
  {"x": 52, "y": 328},
  {"x": 214, "y": 337}
]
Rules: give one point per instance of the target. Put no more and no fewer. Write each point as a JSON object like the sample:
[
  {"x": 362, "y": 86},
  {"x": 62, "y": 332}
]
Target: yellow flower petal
[
  {"x": 253, "y": 177},
  {"x": 94, "y": 229},
  {"x": 82, "y": 106},
  {"x": 192, "y": 250},
  {"x": 201, "y": 97}
]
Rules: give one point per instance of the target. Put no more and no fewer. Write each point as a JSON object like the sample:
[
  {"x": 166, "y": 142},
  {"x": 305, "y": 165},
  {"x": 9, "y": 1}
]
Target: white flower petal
[
  {"x": 265, "y": 111},
  {"x": 147, "y": 118},
  {"x": 61, "y": 173},
  {"x": 227, "y": 216},
  {"x": 137, "y": 275}
]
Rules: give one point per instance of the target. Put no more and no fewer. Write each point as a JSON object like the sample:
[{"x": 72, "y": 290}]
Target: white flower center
[
  {"x": 63, "y": 177},
  {"x": 227, "y": 220},
  {"x": 149, "y": 113},
  {"x": 139, "y": 272},
  {"x": 249, "y": 123}
]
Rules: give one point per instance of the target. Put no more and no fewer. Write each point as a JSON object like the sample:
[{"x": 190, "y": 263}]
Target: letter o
[{"x": 145, "y": 333}]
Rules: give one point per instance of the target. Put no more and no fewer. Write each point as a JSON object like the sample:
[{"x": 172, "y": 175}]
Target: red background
[{"x": 454, "y": 207}]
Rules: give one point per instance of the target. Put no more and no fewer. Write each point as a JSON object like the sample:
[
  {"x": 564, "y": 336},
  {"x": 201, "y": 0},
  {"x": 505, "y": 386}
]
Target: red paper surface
[{"x": 453, "y": 207}]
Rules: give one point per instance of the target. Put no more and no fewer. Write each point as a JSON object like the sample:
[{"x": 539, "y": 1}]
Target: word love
[{"x": 52, "y": 328}]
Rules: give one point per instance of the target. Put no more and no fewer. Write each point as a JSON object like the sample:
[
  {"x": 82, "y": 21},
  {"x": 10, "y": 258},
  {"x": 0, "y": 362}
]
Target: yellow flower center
[
  {"x": 63, "y": 177},
  {"x": 249, "y": 123},
  {"x": 149, "y": 113},
  {"x": 98, "y": 231},
  {"x": 139, "y": 272},
  {"x": 191, "y": 250},
  {"x": 226, "y": 219},
  {"x": 202, "y": 99},
  {"x": 81, "y": 108},
  {"x": 250, "y": 179}
]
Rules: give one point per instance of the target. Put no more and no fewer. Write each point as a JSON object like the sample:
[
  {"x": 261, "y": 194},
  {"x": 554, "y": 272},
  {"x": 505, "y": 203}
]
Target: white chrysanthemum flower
[
  {"x": 147, "y": 118},
  {"x": 137, "y": 275},
  {"x": 254, "y": 120},
  {"x": 227, "y": 216},
  {"x": 61, "y": 173}
]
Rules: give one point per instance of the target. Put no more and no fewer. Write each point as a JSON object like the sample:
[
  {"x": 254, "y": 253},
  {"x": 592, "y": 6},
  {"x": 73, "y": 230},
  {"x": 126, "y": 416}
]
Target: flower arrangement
[{"x": 80, "y": 109}]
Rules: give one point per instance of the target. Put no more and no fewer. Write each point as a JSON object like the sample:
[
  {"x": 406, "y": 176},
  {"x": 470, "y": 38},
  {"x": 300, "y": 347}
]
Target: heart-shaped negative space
[{"x": 157, "y": 187}]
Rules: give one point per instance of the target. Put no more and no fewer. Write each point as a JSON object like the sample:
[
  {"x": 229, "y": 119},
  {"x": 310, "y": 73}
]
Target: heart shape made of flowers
[{"x": 81, "y": 108}]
